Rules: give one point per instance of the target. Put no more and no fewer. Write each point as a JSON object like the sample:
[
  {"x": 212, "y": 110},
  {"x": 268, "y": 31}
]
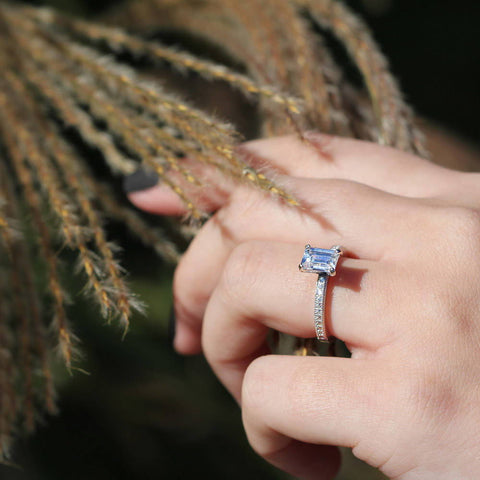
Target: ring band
[{"x": 324, "y": 263}]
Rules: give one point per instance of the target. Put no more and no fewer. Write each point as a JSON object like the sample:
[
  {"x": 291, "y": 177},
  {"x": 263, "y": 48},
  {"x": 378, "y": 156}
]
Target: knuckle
[
  {"x": 178, "y": 283},
  {"x": 333, "y": 194},
  {"x": 432, "y": 399},
  {"x": 188, "y": 298},
  {"x": 244, "y": 205},
  {"x": 241, "y": 272},
  {"x": 334, "y": 189},
  {"x": 258, "y": 393},
  {"x": 255, "y": 386},
  {"x": 462, "y": 227}
]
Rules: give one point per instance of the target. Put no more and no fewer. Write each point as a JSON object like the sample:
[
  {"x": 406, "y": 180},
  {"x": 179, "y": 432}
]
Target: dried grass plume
[{"x": 70, "y": 86}]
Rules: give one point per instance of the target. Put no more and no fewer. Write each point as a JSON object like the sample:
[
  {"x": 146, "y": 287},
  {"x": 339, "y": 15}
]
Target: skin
[{"x": 406, "y": 301}]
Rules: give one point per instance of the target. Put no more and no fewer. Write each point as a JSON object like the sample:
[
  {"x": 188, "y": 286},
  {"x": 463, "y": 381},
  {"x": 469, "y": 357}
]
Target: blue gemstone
[{"x": 319, "y": 260}]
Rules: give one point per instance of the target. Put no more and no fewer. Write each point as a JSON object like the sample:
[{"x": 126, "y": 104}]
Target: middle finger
[{"x": 365, "y": 220}]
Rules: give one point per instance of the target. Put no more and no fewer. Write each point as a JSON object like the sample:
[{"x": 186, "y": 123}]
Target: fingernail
[
  {"x": 171, "y": 326},
  {"x": 140, "y": 180}
]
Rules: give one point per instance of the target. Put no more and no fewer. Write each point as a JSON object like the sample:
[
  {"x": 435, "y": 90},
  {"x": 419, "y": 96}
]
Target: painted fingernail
[
  {"x": 140, "y": 180},
  {"x": 171, "y": 326}
]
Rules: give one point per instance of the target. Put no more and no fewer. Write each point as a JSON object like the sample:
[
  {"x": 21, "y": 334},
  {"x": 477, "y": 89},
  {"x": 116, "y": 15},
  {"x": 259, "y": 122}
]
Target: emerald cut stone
[{"x": 320, "y": 260}]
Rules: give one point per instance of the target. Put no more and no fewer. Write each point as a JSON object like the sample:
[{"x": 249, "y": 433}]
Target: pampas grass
[{"x": 62, "y": 74}]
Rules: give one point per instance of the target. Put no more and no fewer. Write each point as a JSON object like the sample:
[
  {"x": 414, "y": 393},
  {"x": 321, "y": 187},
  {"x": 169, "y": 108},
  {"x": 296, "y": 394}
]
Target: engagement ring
[{"x": 324, "y": 263}]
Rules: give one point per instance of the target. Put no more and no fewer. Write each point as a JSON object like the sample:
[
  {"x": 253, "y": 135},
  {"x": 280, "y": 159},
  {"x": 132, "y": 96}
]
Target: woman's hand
[{"x": 406, "y": 301}]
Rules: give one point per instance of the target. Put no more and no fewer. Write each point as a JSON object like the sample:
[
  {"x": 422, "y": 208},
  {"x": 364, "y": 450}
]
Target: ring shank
[{"x": 319, "y": 309}]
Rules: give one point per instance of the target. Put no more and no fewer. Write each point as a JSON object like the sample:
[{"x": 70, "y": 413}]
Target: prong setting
[
  {"x": 338, "y": 248},
  {"x": 320, "y": 260}
]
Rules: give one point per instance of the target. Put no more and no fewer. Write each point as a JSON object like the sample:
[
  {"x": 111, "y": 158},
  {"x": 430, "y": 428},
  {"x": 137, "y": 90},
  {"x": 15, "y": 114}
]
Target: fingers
[
  {"x": 209, "y": 192},
  {"x": 353, "y": 215},
  {"x": 162, "y": 200},
  {"x": 159, "y": 200},
  {"x": 314, "y": 400},
  {"x": 325, "y": 156},
  {"x": 262, "y": 287},
  {"x": 321, "y": 156}
]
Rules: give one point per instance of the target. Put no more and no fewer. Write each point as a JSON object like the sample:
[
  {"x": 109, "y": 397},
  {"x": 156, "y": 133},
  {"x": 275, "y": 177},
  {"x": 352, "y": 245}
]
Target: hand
[{"x": 406, "y": 301}]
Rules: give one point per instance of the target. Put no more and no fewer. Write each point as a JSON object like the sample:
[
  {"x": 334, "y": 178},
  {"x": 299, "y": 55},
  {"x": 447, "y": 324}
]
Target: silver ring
[{"x": 324, "y": 263}]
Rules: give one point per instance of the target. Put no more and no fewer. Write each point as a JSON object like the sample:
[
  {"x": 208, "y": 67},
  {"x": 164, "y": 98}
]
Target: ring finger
[
  {"x": 262, "y": 288},
  {"x": 340, "y": 218}
]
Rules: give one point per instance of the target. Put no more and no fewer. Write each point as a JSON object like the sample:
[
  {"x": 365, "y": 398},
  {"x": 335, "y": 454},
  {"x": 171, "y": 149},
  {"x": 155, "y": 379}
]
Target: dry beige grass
[{"x": 57, "y": 78}]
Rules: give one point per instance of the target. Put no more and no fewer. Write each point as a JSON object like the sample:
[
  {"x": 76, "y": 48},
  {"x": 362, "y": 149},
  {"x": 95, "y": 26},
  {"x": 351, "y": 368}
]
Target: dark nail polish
[
  {"x": 171, "y": 326},
  {"x": 140, "y": 180}
]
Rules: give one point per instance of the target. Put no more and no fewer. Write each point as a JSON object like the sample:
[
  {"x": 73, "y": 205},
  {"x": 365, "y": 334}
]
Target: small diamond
[{"x": 320, "y": 260}]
